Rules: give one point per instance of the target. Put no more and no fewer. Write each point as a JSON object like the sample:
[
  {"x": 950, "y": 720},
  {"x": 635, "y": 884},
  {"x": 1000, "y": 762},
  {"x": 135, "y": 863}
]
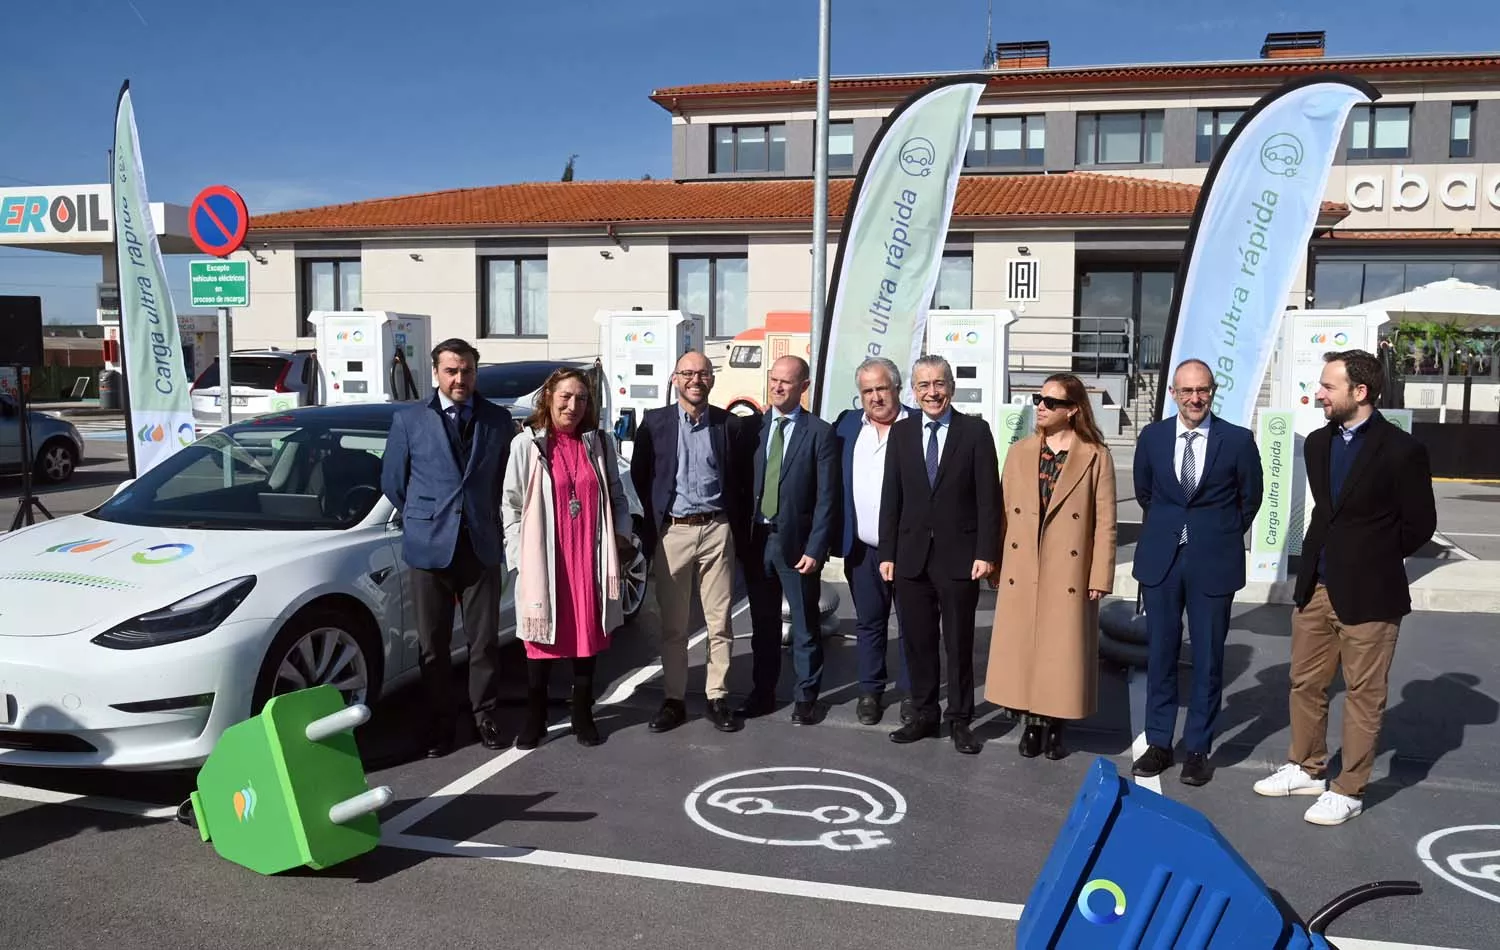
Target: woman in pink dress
[{"x": 567, "y": 527}]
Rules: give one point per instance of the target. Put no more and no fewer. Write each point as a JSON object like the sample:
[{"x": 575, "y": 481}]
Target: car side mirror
[{"x": 122, "y": 486}]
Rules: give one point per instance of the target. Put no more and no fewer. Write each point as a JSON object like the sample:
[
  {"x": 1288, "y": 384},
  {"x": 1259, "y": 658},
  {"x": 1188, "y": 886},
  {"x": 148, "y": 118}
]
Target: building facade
[{"x": 1089, "y": 174}]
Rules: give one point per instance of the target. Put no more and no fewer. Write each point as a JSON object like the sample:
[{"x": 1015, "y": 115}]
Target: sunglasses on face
[{"x": 1051, "y": 402}]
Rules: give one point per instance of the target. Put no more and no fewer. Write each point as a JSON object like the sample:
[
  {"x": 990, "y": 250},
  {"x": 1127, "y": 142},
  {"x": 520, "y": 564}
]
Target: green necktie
[{"x": 771, "y": 491}]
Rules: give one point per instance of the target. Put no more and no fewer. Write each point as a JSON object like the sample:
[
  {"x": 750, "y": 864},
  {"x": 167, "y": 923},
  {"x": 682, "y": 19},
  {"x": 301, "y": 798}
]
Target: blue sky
[{"x": 305, "y": 102}]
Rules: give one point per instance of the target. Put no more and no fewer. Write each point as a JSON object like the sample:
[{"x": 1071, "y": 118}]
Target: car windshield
[
  {"x": 270, "y": 474},
  {"x": 252, "y": 372},
  {"x": 513, "y": 380}
]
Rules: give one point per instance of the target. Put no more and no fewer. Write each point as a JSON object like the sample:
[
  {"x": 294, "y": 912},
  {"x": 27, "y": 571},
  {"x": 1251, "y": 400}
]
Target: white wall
[
  {"x": 271, "y": 319},
  {"x": 444, "y": 284},
  {"x": 581, "y": 282},
  {"x": 1044, "y": 325}
]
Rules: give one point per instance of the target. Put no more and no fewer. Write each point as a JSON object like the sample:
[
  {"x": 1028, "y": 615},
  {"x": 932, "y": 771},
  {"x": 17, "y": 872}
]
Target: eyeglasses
[
  {"x": 690, "y": 374},
  {"x": 1196, "y": 391},
  {"x": 1051, "y": 402}
]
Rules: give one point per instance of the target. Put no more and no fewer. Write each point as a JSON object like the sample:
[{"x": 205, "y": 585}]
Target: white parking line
[
  {"x": 471, "y": 780},
  {"x": 759, "y": 883},
  {"x": 818, "y": 890},
  {"x": 46, "y": 796},
  {"x": 1443, "y": 541}
]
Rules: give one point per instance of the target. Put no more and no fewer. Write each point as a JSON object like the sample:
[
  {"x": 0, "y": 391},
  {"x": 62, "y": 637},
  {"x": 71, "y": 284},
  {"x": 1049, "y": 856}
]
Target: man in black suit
[
  {"x": 1373, "y": 508},
  {"x": 443, "y": 467},
  {"x": 795, "y": 515},
  {"x": 689, "y": 469},
  {"x": 939, "y": 536}
]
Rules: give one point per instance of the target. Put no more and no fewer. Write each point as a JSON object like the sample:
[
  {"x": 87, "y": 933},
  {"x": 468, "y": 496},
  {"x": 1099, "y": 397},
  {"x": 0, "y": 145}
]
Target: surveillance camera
[
  {"x": 606, "y": 255},
  {"x": 415, "y": 256}
]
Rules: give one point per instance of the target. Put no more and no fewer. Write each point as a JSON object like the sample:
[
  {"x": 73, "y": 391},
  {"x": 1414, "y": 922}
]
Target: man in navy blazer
[
  {"x": 443, "y": 467},
  {"x": 863, "y": 435},
  {"x": 795, "y": 515},
  {"x": 1198, "y": 481}
]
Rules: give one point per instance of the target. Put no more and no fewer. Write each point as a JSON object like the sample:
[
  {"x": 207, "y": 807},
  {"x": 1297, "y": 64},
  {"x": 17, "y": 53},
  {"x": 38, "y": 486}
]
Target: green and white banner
[
  {"x": 159, "y": 415},
  {"x": 1279, "y": 517},
  {"x": 1013, "y": 422},
  {"x": 891, "y": 245}
]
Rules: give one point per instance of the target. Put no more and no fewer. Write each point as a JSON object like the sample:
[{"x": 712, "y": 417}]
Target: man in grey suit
[
  {"x": 797, "y": 500},
  {"x": 443, "y": 468}
]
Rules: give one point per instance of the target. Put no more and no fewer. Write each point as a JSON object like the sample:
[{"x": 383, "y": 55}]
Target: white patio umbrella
[{"x": 1444, "y": 301}]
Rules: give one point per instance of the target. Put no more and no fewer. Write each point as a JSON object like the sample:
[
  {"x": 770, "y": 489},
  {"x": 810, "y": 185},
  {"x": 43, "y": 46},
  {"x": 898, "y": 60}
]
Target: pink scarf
[{"x": 534, "y": 573}]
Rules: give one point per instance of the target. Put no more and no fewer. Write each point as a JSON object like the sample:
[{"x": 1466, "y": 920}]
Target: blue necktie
[{"x": 932, "y": 454}]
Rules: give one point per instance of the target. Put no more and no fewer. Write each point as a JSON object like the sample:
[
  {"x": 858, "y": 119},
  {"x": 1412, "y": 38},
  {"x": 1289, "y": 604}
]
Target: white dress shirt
[
  {"x": 869, "y": 478},
  {"x": 1200, "y": 445},
  {"x": 943, "y": 422}
]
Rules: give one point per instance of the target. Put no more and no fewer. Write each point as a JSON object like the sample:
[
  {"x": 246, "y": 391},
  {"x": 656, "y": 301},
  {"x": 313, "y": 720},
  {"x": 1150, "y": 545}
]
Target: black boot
[
  {"x": 1052, "y": 740},
  {"x": 535, "y": 724},
  {"x": 584, "y": 729},
  {"x": 1031, "y": 741}
]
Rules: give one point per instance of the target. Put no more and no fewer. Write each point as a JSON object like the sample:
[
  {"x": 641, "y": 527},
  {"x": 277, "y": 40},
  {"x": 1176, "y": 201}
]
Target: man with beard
[
  {"x": 691, "y": 470},
  {"x": 1372, "y": 491}
]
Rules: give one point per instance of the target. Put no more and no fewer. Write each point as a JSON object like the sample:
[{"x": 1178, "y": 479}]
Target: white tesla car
[{"x": 259, "y": 560}]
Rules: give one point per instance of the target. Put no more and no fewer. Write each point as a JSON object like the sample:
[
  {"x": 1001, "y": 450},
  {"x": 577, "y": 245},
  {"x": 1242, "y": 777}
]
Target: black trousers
[
  {"x": 933, "y": 608},
  {"x": 476, "y": 588}
]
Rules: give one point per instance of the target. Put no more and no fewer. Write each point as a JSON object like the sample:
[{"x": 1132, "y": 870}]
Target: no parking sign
[{"x": 217, "y": 220}]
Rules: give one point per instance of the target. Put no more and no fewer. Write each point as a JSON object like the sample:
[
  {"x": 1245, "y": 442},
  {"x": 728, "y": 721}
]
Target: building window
[
  {"x": 513, "y": 296},
  {"x": 1213, "y": 127},
  {"x": 1461, "y": 131},
  {"x": 841, "y": 146},
  {"x": 1120, "y": 138},
  {"x": 328, "y": 285},
  {"x": 1007, "y": 140},
  {"x": 1348, "y": 283},
  {"x": 750, "y": 148},
  {"x": 955, "y": 283},
  {"x": 1380, "y": 132},
  {"x": 715, "y": 287}
]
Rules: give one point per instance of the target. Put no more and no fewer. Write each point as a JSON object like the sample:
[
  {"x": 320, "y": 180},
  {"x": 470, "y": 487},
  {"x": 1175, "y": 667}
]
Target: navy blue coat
[
  {"x": 1221, "y": 510},
  {"x": 808, "y": 500},
  {"x": 846, "y": 429},
  {"x": 424, "y": 478},
  {"x": 653, "y": 469}
]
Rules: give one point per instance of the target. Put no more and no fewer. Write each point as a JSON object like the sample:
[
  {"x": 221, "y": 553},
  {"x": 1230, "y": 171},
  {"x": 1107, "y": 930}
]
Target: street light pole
[{"x": 820, "y": 187}]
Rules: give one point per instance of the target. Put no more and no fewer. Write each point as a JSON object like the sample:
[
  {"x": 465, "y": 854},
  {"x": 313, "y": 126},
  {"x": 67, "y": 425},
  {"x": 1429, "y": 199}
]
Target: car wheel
[
  {"x": 317, "y": 647},
  {"x": 57, "y": 461},
  {"x": 635, "y": 577}
]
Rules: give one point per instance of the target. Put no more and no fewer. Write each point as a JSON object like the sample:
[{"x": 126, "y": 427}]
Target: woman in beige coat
[{"x": 1057, "y": 559}]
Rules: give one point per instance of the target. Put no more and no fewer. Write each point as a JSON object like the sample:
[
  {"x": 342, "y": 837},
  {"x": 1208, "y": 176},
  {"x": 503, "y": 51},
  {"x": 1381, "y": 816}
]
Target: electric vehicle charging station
[
  {"x": 639, "y": 349},
  {"x": 372, "y": 356},
  {"x": 976, "y": 343}
]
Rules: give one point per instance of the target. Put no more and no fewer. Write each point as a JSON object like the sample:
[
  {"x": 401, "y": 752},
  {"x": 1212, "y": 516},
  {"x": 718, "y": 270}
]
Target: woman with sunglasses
[
  {"x": 567, "y": 531},
  {"x": 1057, "y": 560}
]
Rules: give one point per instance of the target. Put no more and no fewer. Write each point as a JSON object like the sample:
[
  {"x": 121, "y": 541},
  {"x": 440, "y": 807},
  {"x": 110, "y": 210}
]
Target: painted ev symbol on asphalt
[
  {"x": 791, "y": 806},
  {"x": 1467, "y": 856}
]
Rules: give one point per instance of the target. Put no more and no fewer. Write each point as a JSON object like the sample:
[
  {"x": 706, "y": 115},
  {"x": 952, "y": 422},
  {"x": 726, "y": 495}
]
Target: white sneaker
[
  {"x": 1331, "y": 808},
  {"x": 1290, "y": 779}
]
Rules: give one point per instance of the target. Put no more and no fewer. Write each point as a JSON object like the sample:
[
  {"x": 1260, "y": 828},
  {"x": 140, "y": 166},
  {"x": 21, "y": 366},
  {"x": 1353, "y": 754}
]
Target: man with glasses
[
  {"x": 864, "y": 436},
  {"x": 690, "y": 469},
  {"x": 1198, "y": 481},
  {"x": 939, "y": 536}
]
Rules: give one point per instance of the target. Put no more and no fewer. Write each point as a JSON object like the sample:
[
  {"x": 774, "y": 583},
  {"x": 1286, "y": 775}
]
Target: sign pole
[{"x": 225, "y": 398}]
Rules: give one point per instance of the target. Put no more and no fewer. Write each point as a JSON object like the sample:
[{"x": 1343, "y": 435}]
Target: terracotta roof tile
[
  {"x": 1075, "y": 75},
  {"x": 1431, "y": 235},
  {"x": 585, "y": 203}
]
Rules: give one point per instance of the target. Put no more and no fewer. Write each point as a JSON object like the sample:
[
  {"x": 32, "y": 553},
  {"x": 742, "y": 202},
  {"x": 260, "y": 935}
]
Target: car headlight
[{"x": 188, "y": 618}]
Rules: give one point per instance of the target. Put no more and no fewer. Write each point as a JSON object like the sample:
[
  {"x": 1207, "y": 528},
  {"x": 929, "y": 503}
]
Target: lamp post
[{"x": 820, "y": 188}]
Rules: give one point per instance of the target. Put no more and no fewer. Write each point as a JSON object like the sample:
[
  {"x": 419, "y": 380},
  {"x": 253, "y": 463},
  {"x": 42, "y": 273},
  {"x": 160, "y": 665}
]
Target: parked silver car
[{"x": 57, "y": 447}]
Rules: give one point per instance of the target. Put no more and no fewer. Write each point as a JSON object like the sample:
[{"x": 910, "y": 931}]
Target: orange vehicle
[{"x": 741, "y": 368}]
